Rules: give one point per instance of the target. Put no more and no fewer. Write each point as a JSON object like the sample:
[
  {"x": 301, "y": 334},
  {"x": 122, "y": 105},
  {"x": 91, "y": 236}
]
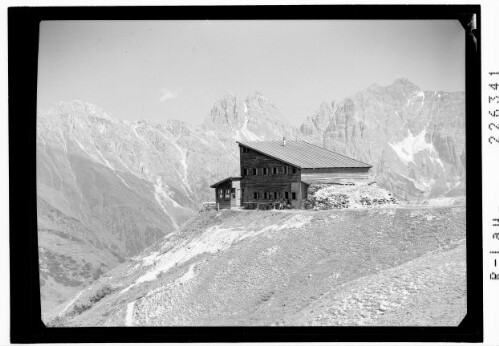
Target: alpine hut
[{"x": 282, "y": 171}]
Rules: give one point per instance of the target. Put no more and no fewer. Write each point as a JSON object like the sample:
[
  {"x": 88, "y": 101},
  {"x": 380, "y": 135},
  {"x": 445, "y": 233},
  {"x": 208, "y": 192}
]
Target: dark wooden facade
[{"x": 265, "y": 179}]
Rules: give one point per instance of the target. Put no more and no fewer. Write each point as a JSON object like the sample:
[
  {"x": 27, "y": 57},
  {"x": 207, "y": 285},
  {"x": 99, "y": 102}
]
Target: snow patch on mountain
[
  {"x": 247, "y": 133},
  {"x": 420, "y": 94},
  {"x": 411, "y": 145},
  {"x": 423, "y": 184},
  {"x": 438, "y": 160}
]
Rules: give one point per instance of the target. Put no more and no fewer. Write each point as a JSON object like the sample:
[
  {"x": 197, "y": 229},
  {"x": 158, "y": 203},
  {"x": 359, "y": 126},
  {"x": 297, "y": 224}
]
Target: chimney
[{"x": 283, "y": 141}]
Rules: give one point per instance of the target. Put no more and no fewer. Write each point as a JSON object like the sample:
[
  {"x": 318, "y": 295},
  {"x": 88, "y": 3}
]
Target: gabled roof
[
  {"x": 226, "y": 179},
  {"x": 302, "y": 154}
]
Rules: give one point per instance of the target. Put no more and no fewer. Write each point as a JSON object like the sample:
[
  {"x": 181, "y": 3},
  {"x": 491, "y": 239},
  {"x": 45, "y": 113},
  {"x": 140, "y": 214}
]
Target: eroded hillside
[{"x": 287, "y": 268}]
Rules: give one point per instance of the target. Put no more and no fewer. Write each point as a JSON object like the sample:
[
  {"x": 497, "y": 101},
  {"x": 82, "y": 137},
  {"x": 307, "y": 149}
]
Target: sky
[{"x": 176, "y": 70}]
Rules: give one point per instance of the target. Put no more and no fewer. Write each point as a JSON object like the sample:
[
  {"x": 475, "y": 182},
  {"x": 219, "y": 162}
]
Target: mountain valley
[{"x": 107, "y": 188}]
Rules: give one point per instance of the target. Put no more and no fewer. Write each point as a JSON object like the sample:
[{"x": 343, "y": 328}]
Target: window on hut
[
  {"x": 220, "y": 193},
  {"x": 293, "y": 195},
  {"x": 286, "y": 195},
  {"x": 255, "y": 171},
  {"x": 274, "y": 170},
  {"x": 255, "y": 195},
  {"x": 227, "y": 193},
  {"x": 265, "y": 171}
]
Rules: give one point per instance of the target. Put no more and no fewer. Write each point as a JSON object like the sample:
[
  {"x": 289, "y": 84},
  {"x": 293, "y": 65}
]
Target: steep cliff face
[
  {"x": 250, "y": 118},
  {"x": 413, "y": 138}
]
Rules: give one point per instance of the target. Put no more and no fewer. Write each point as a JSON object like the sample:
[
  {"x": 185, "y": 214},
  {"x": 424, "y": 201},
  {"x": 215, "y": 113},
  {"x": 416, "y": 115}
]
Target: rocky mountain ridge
[
  {"x": 415, "y": 139},
  {"x": 108, "y": 188}
]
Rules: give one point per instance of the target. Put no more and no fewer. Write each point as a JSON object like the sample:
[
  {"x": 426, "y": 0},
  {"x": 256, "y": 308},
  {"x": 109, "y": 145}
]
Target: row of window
[
  {"x": 231, "y": 193},
  {"x": 269, "y": 170},
  {"x": 225, "y": 193},
  {"x": 273, "y": 195}
]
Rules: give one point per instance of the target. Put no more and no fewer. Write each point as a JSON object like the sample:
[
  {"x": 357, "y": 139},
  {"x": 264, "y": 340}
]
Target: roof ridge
[
  {"x": 297, "y": 154},
  {"x": 275, "y": 140},
  {"x": 224, "y": 180},
  {"x": 267, "y": 154},
  {"x": 334, "y": 152}
]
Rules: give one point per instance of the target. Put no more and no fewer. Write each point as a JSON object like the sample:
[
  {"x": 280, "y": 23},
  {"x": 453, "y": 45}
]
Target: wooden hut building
[
  {"x": 228, "y": 193},
  {"x": 281, "y": 171}
]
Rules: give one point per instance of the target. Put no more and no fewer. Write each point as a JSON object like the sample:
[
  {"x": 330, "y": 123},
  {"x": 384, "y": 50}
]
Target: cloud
[{"x": 167, "y": 94}]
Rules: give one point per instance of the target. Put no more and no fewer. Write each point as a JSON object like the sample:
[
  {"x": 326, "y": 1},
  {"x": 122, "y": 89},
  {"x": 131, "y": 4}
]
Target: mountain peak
[
  {"x": 258, "y": 94},
  {"x": 404, "y": 82},
  {"x": 77, "y": 108}
]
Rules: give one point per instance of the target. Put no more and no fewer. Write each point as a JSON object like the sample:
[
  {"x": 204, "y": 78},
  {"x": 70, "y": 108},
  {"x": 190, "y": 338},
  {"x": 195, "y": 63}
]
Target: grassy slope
[{"x": 274, "y": 268}]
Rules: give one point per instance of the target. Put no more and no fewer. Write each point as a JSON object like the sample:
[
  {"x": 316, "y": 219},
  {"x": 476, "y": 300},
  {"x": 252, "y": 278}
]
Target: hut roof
[
  {"x": 302, "y": 154},
  {"x": 225, "y": 180}
]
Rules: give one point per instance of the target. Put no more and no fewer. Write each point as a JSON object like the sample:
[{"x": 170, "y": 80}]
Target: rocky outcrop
[
  {"x": 251, "y": 118},
  {"x": 413, "y": 138}
]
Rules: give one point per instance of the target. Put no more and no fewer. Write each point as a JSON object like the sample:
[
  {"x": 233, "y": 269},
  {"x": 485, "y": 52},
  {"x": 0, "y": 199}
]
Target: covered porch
[{"x": 228, "y": 193}]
